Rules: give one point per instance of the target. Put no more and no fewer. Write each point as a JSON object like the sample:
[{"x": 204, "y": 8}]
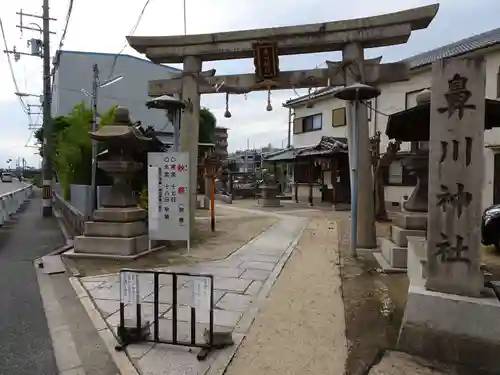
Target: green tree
[
  {"x": 72, "y": 151},
  {"x": 208, "y": 122}
]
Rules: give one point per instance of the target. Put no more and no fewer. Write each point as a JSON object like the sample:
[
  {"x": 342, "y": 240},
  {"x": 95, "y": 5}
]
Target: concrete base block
[
  {"x": 400, "y": 235},
  {"x": 385, "y": 266},
  {"x": 108, "y": 229},
  {"x": 72, "y": 254},
  {"x": 269, "y": 203},
  {"x": 394, "y": 255},
  {"x": 111, "y": 245},
  {"x": 452, "y": 328},
  {"x": 203, "y": 202},
  {"x": 411, "y": 220},
  {"x": 417, "y": 260},
  {"x": 120, "y": 215}
]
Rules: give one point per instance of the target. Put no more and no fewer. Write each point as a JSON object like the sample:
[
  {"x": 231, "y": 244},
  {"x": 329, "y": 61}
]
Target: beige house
[{"x": 320, "y": 114}]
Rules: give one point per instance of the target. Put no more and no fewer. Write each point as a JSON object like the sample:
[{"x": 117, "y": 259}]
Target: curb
[{"x": 121, "y": 359}]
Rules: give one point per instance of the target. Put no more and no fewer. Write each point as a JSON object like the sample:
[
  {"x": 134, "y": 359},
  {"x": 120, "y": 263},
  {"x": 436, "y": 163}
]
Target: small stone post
[{"x": 456, "y": 170}]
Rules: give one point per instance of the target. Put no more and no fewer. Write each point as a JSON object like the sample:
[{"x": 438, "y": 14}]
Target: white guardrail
[{"x": 11, "y": 202}]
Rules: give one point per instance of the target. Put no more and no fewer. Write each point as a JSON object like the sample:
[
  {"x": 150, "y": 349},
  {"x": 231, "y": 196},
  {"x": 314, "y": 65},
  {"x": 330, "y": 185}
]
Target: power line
[
  {"x": 131, "y": 32},
  {"x": 11, "y": 68},
  {"x": 61, "y": 42}
]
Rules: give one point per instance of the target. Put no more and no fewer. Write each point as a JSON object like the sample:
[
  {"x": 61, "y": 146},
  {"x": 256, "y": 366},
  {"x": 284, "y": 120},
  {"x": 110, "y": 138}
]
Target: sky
[{"x": 101, "y": 26}]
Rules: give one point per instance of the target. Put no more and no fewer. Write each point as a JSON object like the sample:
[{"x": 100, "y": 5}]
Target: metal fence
[
  {"x": 10, "y": 203},
  {"x": 166, "y": 329},
  {"x": 73, "y": 219}
]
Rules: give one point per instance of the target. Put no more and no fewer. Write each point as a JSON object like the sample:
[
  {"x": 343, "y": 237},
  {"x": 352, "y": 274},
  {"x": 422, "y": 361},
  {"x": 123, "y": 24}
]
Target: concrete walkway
[
  {"x": 241, "y": 284},
  {"x": 26, "y": 343}
]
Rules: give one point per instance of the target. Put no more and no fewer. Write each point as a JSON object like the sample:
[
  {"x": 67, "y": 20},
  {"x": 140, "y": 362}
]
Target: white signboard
[
  {"x": 129, "y": 287},
  {"x": 200, "y": 297},
  {"x": 168, "y": 196}
]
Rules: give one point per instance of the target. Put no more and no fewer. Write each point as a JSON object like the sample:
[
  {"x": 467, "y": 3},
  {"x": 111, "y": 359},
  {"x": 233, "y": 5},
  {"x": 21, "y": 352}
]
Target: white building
[
  {"x": 75, "y": 72},
  {"x": 320, "y": 114}
]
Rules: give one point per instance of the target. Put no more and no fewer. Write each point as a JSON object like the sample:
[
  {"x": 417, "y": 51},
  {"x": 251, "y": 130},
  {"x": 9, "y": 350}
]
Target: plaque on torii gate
[{"x": 266, "y": 45}]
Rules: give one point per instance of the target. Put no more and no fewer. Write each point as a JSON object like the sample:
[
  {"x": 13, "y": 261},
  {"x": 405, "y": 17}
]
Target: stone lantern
[
  {"x": 119, "y": 226},
  {"x": 418, "y": 163}
]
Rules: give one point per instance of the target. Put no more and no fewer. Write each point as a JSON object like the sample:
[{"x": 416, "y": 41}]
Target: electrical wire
[
  {"x": 11, "y": 68},
  {"x": 373, "y": 109},
  {"x": 131, "y": 32},
  {"x": 61, "y": 42}
]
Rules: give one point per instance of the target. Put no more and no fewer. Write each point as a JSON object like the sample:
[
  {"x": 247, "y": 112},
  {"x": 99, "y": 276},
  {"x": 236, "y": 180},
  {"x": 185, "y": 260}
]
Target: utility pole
[
  {"x": 289, "y": 143},
  {"x": 47, "y": 117},
  {"x": 93, "y": 187},
  {"x": 41, "y": 48}
]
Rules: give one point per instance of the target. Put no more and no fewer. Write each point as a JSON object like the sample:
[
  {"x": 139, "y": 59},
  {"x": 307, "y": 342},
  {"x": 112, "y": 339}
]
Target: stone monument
[
  {"x": 119, "y": 226},
  {"x": 448, "y": 315},
  {"x": 412, "y": 221}
]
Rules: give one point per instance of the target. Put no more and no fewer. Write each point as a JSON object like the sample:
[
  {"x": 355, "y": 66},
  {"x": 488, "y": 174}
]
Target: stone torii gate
[{"x": 265, "y": 46}]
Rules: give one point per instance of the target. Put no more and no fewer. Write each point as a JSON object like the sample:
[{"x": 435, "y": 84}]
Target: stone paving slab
[{"x": 238, "y": 280}]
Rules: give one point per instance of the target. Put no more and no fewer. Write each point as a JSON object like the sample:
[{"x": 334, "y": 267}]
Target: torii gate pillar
[
  {"x": 190, "y": 123},
  {"x": 366, "y": 234}
]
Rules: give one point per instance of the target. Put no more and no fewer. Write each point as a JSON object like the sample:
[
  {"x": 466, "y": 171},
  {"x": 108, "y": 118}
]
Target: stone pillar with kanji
[{"x": 456, "y": 169}]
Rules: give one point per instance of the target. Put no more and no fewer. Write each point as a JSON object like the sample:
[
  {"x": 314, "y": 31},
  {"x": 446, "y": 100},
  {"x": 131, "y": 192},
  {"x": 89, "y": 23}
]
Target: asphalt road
[
  {"x": 25, "y": 346},
  {"x": 7, "y": 187}
]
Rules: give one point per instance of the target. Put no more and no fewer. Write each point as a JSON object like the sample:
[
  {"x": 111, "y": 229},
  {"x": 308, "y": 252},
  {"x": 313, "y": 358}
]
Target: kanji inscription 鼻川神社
[
  {"x": 457, "y": 97},
  {"x": 455, "y": 176},
  {"x": 459, "y": 200},
  {"x": 449, "y": 252}
]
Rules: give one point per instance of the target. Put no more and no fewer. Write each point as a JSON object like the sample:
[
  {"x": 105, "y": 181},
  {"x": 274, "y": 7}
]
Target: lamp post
[
  {"x": 95, "y": 86},
  {"x": 25, "y": 95},
  {"x": 355, "y": 94},
  {"x": 173, "y": 108}
]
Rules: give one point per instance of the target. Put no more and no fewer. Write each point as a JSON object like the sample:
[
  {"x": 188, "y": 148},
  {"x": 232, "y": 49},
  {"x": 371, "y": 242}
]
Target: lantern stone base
[
  {"x": 111, "y": 245},
  {"x": 451, "y": 328},
  {"x": 394, "y": 253},
  {"x": 114, "y": 231},
  {"x": 120, "y": 215},
  {"x": 269, "y": 196},
  {"x": 262, "y": 202}
]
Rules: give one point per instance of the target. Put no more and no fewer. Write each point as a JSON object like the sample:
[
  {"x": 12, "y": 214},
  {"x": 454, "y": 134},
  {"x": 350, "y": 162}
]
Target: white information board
[
  {"x": 129, "y": 287},
  {"x": 200, "y": 297},
  {"x": 168, "y": 196}
]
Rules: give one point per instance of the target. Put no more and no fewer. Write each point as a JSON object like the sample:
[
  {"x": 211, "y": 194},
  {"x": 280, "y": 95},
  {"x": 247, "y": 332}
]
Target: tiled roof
[
  {"x": 461, "y": 47},
  {"x": 283, "y": 155},
  {"x": 327, "y": 146},
  {"x": 326, "y": 91}
]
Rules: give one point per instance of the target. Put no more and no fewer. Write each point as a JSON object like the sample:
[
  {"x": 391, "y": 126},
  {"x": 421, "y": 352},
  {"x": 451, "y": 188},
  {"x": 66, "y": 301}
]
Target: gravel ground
[{"x": 300, "y": 328}]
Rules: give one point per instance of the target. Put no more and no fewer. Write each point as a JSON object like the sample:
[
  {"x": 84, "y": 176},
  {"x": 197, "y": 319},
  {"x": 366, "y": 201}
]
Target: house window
[
  {"x": 395, "y": 173},
  {"x": 312, "y": 123},
  {"x": 398, "y": 175},
  {"x": 339, "y": 117}
]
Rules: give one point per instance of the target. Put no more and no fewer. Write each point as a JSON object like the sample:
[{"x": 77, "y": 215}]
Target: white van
[{"x": 6, "y": 177}]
